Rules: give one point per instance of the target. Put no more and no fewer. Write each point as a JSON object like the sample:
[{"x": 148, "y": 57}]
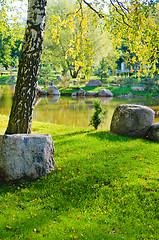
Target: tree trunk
[
  {"x": 23, "y": 102},
  {"x": 74, "y": 73}
]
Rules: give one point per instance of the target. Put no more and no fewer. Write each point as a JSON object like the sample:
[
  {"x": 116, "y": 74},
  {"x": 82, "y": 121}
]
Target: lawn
[{"x": 104, "y": 187}]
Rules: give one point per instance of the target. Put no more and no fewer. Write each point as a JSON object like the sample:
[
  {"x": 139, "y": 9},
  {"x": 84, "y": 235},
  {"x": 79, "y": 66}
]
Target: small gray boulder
[
  {"x": 25, "y": 156},
  {"x": 153, "y": 134},
  {"x": 40, "y": 91},
  {"x": 52, "y": 90},
  {"x": 132, "y": 120},
  {"x": 81, "y": 93},
  {"x": 91, "y": 94},
  {"x": 139, "y": 89},
  {"x": 94, "y": 83},
  {"x": 74, "y": 94},
  {"x": 105, "y": 93}
]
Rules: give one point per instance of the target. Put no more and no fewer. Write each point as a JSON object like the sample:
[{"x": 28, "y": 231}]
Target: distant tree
[
  {"x": 74, "y": 38},
  {"x": 70, "y": 41},
  {"x": 139, "y": 31}
]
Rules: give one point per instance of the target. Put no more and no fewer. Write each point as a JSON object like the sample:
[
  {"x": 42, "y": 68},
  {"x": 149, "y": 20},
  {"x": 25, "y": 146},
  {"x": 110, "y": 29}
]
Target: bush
[{"x": 96, "y": 119}]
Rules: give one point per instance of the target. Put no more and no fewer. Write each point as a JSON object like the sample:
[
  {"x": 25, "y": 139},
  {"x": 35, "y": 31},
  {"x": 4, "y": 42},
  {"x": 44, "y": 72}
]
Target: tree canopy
[
  {"x": 81, "y": 34},
  {"x": 132, "y": 23}
]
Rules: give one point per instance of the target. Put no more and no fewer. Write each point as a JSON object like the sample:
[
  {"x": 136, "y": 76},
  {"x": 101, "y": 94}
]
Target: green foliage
[
  {"x": 104, "y": 187},
  {"x": 74, "y": 38},
  {"x": 96, "y": 119},
  {"x": 135, "y": 27},
  {"x": 69, "y": 38},
  {"x": 11, "y": 34}
]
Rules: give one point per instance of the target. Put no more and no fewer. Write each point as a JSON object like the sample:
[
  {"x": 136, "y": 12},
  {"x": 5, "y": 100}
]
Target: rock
[
  {"x": 137, "y": 88},
  {"x": 115, "y": 84},
  {"x": 125, "y": 96},
  {"x": 91, "y": 94},
  {"x": 94, "y": 83},
  {"x": 155, "y": 97},
  {"x": 81, "y": 92},
  {"x": 132, "y": 120},
  {"x": 39, "y": 91},
  {"x": 52, "y": 90},
  {"x": 13, "y": 78},
  {"x": 74, "y": 94},
  {"x": 105, "y": 93},
  {"x": 139, "y": 97},
  {"x": 25, "y": 156},
  {"x": 153, "y": 133}
]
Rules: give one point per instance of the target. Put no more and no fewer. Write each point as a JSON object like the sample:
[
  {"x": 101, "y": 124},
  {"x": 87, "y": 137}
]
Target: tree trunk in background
[{"x": 23, "y": 102}]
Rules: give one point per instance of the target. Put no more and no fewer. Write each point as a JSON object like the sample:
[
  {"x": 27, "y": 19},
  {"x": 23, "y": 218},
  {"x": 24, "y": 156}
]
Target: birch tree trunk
[{"x": 23, "y": 102}]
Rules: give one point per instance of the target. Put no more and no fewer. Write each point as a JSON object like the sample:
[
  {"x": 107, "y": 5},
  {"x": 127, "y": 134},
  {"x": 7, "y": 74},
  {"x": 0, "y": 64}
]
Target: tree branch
[
  {"x": 122, "y": 6},
  {"x": 89, "y": 5},
  {"x": 123, "y": 16}
]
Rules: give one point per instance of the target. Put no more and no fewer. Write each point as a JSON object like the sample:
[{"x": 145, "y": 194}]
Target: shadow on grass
[
  {"x": 57, "y": 197},
  {"x": 102, "y": 135},
  {"x": 62, "y": 192},
  {"x": 71, "y": 134}
]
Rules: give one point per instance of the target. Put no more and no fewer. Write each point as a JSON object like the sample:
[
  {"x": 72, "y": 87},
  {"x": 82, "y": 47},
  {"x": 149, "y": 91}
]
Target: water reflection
[
  {"x": 53, "y": 99},
  {"x": 77, "y": 111},
  {"x": 71, "y": 111}
]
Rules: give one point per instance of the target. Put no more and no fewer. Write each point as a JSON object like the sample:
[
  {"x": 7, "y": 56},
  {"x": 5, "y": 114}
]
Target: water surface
[{"x": 72, "y": 112}]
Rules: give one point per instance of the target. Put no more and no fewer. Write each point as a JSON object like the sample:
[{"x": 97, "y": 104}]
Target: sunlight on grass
[{"x": 104, "y": 187}]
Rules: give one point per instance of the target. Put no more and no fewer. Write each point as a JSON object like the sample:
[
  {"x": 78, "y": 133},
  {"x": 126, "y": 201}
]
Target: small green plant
[{"x": 97, "y": 117}]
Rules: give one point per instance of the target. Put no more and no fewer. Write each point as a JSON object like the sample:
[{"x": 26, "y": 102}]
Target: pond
[{"x": 72, "y": 112}]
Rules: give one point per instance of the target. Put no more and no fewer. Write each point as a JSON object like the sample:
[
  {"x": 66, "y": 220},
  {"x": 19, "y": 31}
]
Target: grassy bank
[
  {"x": 67, "y": 91},
  {"x": 104, "y": 187}
]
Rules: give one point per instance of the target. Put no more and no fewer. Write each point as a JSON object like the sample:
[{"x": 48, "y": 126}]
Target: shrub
[{"x": 96, "y": 119}]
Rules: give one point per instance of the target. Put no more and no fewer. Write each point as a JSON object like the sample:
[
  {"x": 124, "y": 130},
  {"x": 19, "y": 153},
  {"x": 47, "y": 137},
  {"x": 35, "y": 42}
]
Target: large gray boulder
[
  {"x": 94, "y": 83},
  {"x": 153, "y": 133},
  {"x": 132, "y": 120},
  {"x": 52, "y": 90},
  {"x": 105, "y": 93},
  {"x": 25, "y": 156}
]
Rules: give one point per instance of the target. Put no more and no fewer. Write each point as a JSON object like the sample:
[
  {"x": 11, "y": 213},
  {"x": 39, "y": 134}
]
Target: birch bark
[{"x": 20, "y": 119}]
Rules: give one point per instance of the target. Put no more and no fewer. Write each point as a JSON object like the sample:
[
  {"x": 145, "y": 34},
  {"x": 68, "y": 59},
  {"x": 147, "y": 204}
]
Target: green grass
[
  {"x": 104, "y": 187},
  {"x": 115, "y": 90}
]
